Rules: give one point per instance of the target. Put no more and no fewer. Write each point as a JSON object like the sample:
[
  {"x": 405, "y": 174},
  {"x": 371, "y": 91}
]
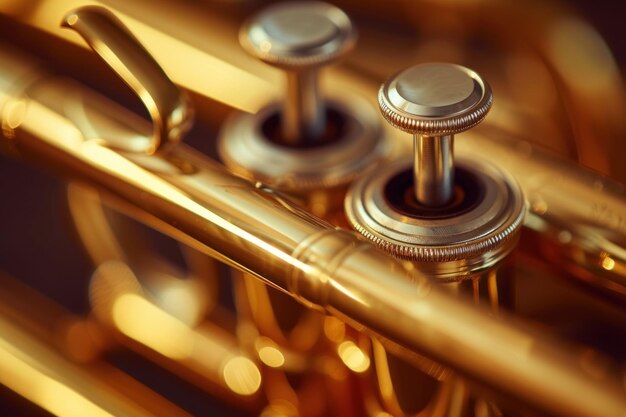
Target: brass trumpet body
[{"x": 592, "y": 224}]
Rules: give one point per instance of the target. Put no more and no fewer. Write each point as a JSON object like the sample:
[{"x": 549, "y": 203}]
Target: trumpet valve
[
  {"x": 453, "y": 218},
  {"x": 300, "y": 38},
  {"x": 306, "y": 146}
]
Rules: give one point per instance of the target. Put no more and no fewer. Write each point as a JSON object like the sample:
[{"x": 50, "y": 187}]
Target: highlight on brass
[
  {"x": 167, "y": 105},
  {"x": 299, "y": 254}
]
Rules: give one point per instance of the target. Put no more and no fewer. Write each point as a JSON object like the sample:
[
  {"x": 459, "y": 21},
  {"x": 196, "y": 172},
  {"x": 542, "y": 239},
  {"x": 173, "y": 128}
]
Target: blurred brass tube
[
  {"x": 32, "y": 367},
  {"x": 59, "y": 125},
  {"x": 206, "y": 355},
  {"x": 578, "y": 210},
  {"x": 579, "y": 61}
]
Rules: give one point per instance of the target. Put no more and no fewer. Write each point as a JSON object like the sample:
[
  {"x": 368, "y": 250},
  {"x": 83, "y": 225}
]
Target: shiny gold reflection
[
  {"x": 205, "y": 350},
  {"x": 270, "y": 353},
  {"x": 52, "y": 395},
  {"x": 180, "y": 297},
  {"x": 242, "y": 375},
  {"x": 353, "y": 356},
  {"x": 608, "y": 263},
  {"x": 141, "y": 320},
  {"x": 189, "y": 72},
  {"x": 13, "y": 115}
]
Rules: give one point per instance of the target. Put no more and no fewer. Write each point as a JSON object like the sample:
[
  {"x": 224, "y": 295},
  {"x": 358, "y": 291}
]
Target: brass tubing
[
  {"x": 579, "y": 209},
  {"x": 31, "y": 366},
  {"x": 205, "y": 354},
  {"x": 570, "y": 191},
  {"x": 199, "y": 203}
]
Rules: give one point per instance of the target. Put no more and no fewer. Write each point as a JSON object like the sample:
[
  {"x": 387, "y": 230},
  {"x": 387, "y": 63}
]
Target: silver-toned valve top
[
  {"x": 306, "y": 146},
  {"x": 434, "y": 102},
  {"x": 435, "y": 99},
  {"x": 300, "y": 37},
  {"x": 298, "y": 34},
  {"x": 453, "y": 229}
]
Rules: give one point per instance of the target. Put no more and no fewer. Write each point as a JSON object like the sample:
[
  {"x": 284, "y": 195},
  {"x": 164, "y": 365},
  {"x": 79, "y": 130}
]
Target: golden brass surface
[{"x": 539, "y": 362}]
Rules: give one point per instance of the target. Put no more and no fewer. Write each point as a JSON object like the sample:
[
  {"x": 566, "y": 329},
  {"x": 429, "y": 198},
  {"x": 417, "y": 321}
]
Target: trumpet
[{"x": 362, "y": 311}]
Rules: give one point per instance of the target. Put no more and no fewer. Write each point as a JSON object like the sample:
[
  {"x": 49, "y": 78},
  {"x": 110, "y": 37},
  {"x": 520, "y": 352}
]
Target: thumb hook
[{"x": 168, "y": 106}]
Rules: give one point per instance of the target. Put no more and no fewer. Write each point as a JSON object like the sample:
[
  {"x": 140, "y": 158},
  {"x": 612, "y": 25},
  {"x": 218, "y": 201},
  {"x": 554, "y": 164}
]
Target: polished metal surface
[
  {"x": 588, "y": 232},
  {"x": 557, "y": 85},
  {"x": 457, "y": 233},
  {"x": 167, "y": 105},
  {"x": 251, "y": 228},
  {"x": 305, "y": 173},
  {"x": 452, "y": 247},
  {"x": 332, "y": 142},
  {"x": 299, "y": 37},
  {"x": 433, "y": 169},
  {"x": 300, "y": 254},
  {"x": 435, "y": 99},
  {"x": 48, "y": 374},
  {"x": 317, "y": 162},
  {"x": 433, "y": 102},
  {"x": 454, "y": 237}
]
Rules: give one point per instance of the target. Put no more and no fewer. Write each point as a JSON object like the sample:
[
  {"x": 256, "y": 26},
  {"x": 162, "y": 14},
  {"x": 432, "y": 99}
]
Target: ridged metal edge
[
  {"x": 297, "y": 182},
  {"x": 460, "y": 251},
  {"x": 345, "y": 41},
  {"x": 436, "y": 126}
]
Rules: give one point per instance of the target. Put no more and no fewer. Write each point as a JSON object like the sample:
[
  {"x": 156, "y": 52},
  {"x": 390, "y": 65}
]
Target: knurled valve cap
[
  {"x": 414, "y": 208},
  {"x": 433, "y": 102}
]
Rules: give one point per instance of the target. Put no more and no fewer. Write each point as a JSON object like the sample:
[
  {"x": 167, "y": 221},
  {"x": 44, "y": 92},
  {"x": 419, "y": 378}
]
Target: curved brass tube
[
  {"x": 41, "y": 372},
  {"x": 60, "y": 125},
  {"x": 168, "y": 106}
]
